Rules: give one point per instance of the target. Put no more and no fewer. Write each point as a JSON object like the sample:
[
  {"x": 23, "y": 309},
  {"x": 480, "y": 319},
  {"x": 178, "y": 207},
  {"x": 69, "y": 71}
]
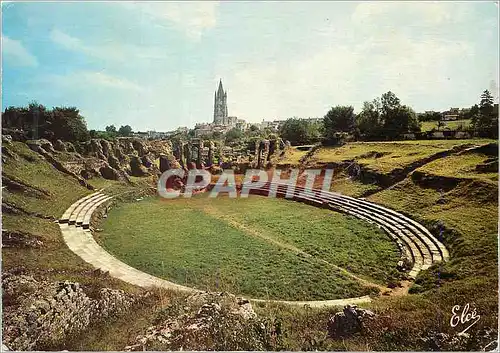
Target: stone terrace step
[
  {"x": 81, "y": 215},
  {"x": 436, "y": 247},
  {"x": 88, "y": 215},
  {"x": 74, "y": 215},
  {"x": 441, "y": 248},
  {"x": 69, "y": 211},
  {"x": 401, "y": 222}
]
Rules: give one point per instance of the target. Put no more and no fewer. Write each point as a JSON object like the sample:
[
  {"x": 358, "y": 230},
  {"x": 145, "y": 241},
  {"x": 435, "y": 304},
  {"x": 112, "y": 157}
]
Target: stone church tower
[{"x": 220, "y": 106}]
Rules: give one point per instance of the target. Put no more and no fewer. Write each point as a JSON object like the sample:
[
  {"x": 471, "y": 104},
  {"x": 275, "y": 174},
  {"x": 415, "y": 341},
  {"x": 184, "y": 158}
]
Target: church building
[{"x": 220, "y": 108}]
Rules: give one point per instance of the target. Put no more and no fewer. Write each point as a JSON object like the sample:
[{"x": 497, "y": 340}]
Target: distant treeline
[
  {"x": 384, "y": 118},
  {"x": 64, "y": 123},
  {"x": 36, "y": 121}
]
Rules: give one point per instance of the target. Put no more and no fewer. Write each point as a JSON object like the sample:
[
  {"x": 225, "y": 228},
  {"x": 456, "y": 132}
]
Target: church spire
[
  {"x": 220, "y": 105},
  {"x": 220, "y": 91}
]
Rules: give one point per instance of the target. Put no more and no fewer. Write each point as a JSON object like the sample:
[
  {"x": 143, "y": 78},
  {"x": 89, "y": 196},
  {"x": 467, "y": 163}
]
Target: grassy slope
[
  {"x": 292, "y": 156},
  {"x": 53, "y": 259},
  {"x": 188, "y": 243},
  {"x": 461, "y": 166},
  {"x": 32, "y": 169},
  {"x": 393, "y": 154},
  {"x": 468, "y": 215}
]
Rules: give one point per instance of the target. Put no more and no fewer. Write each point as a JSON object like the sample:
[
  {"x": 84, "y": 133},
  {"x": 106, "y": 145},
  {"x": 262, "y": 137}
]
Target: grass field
[
  {"x": 293, "y": 156},
  {"x": 384, "y": 157},
  {"x": 451, "y": 125},
  {"x": 257, "y": 246},
  {"x": 460, "y": 166}
]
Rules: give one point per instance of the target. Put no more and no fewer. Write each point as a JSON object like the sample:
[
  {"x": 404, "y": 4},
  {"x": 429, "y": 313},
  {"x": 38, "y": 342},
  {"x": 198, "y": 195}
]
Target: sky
[{"x": 156, "y": 65}]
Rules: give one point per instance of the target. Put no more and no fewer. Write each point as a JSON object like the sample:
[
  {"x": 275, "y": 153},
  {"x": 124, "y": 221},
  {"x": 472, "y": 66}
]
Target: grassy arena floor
[{"x": 259, "y": 247}]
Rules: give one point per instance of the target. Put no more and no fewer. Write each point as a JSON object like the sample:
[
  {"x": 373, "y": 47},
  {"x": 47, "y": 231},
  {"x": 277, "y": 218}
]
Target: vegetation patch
[{"x": 293, "y": 155}]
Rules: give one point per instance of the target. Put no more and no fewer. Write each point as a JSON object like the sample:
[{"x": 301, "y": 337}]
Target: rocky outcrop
[
  {"x": 206, "y": 321},
  {"x": 131, "y": 155},
  {"x": 114, "y": 162},
  {"x": 39, "y": 313},
  {"x": 102, "y": 158},
  {"x": 487, "y": 338},
  {"x": 488, "y": 166},
  {"x": 164, "y": 163},
  {"x": 35, "y": 145},
  {"x": 6, "y": 139},
  {"x": 45, "y": 148},
  {"x": 348, "y": 321},
  {"x": 107, "y": 172},
  {"x": 70, "y": 147},
  {"x": 137, "y": 169},
  {"x": 15, "y": 134},
  {"x": 60, "y": 146},
  {"x": 15, "y": 239}
]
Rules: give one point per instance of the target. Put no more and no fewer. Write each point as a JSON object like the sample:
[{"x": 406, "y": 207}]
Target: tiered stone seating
[
  {"x": 65, "y": 217},
  {"x": 414, "y": 241},
  {"x": 79, "y": 213}
]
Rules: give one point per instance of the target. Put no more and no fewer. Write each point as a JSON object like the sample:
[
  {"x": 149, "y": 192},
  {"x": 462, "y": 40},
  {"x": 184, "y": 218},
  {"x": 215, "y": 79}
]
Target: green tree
[
  {"x": 339, "y": 119},
  {"x": 368, "y": 120},
  {"x": 111, "y": 129},
  {"x": 37, "y": 121},
  {"x": 301, "y": 131},
  {"x": 125, "y": 131},
  {"x": 397, "y": 119},
  {"x": 254, "y": 127},
  {"x": 67, "y": 124},
  {"x": 485, "y": 119},
  {"x": 233, "y": 135},
  {"x": 430, "y": 116}
]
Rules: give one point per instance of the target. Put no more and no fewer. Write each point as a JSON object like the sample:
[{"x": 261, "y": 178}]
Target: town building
[{"x": 452, "y": 114}]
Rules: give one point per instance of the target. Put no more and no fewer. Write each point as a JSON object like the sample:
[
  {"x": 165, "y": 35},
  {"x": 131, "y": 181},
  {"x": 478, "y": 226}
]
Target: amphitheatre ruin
[
  {"x": 361, "y": 242},
  {"x": 265, "y": 243}
]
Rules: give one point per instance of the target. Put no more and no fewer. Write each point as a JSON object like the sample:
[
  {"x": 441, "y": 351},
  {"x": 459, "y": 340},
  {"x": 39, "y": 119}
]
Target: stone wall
[
  {"x": 40, "y": 313},
  {"x": 114, "y": 160}
]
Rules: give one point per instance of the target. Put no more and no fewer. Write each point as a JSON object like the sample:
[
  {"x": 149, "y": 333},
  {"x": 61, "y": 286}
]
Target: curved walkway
[{"x": 412, "y": 238}]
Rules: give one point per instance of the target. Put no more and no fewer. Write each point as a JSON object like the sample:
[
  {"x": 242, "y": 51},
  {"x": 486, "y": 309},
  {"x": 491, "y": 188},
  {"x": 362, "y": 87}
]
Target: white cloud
[
  {"x": 414, "y": 13},
  {"x": 93, "y": 80},
  {"x": 309, "y": 84},
  {"x": 192, "y": 18},
  {"x": 16, "y": 53},
  {"x": 108, "y": 51}
]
